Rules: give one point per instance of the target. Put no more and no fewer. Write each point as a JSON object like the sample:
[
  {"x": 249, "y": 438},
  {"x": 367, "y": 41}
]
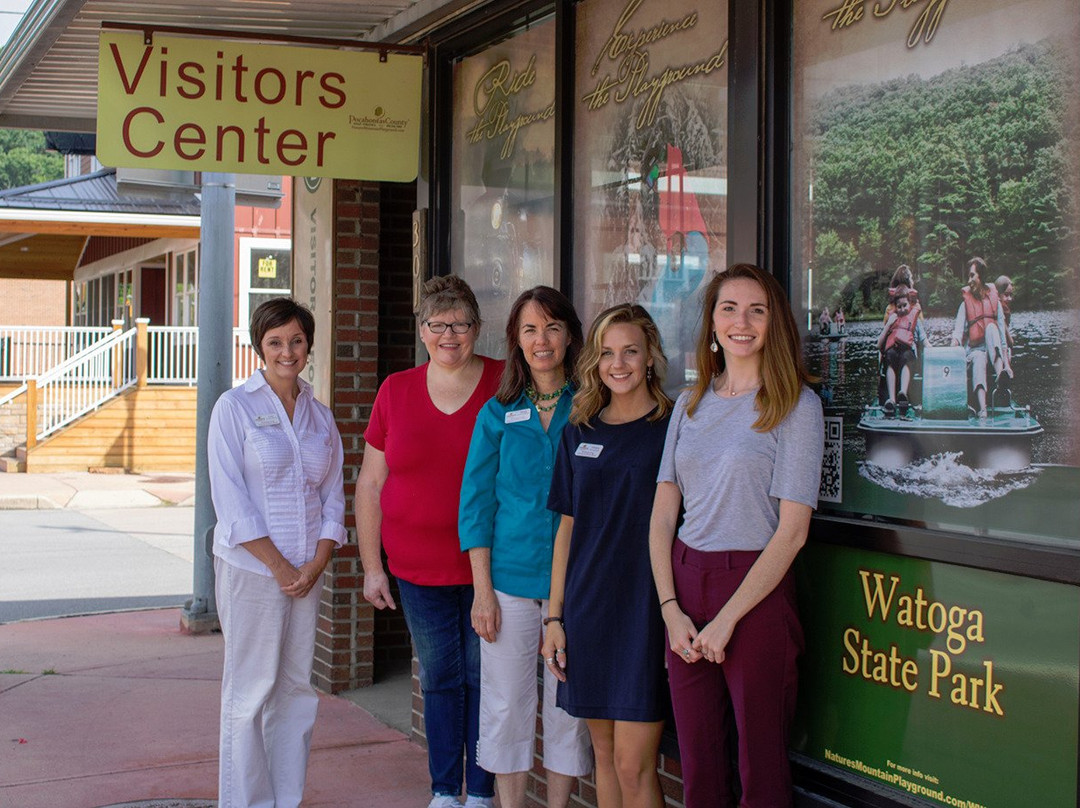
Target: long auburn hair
[
  {"x": 783, "y": 373},
  {"x": 593, "y": 395},
  {"x": 516, "y": 374}
]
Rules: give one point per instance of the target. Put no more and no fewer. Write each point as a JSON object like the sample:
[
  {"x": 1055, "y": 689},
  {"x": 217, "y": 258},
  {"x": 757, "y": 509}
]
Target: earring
[
  {"x": 648, "y": 373},
  {"x": 714, "y": 346}
]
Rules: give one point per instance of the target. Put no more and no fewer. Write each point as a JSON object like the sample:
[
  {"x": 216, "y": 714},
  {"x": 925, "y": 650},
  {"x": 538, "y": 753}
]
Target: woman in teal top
[{"x": 509, "y": 533}]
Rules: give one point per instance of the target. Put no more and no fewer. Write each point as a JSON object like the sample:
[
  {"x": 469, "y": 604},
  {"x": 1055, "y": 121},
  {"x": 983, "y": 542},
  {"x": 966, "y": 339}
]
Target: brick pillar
[
  {"x": 374, "y": 336},
  {"x": 344, "y": 641}
]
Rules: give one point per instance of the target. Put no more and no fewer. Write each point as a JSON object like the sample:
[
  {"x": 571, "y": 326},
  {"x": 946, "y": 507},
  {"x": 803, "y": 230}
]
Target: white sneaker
[
  {"x": 479, "y": 802},
  {"x": 444, "y": 801}
]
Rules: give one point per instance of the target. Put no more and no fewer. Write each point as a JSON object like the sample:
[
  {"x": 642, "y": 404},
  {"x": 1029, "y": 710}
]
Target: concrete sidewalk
[
  {"x": 119, "y": 709},
  {"x": 83, "y": 490}
]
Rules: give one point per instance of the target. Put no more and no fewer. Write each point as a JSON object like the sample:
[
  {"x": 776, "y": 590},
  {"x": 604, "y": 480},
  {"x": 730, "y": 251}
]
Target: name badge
[
  {"x": 267, "y": 420},
  {"x": 516, "y": 416},
  {"x": 589, "y": 450}
]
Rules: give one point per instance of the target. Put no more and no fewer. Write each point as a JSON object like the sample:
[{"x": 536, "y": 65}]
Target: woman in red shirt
[{"x": 407, "y": 502}]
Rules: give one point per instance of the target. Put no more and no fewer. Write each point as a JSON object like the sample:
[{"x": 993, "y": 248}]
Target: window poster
[
  {"x": 503, "y": 237},
  {"x": 935, "y": 223},
  {"x": 650, "y": 174},
  {"x": 954, "y": 685}
]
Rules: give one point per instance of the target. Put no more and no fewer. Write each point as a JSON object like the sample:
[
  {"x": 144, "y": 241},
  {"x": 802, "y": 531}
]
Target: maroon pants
[{"x": 754, "y": 687}]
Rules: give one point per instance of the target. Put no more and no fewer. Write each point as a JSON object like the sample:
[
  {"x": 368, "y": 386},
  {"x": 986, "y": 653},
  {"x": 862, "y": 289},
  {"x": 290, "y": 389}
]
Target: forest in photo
[{"x": 979, "y": 160}]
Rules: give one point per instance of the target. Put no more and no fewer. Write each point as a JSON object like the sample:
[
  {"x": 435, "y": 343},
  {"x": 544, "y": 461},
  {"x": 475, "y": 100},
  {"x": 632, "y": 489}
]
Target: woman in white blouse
[{"x": 276, "y": 481}]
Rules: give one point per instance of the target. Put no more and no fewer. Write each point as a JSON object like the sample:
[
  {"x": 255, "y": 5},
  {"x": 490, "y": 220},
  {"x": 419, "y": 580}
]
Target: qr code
[{"x": 832, "y": 463}]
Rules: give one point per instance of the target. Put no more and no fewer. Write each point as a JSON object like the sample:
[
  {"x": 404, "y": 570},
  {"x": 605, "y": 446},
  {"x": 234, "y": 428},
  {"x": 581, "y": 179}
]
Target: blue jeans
[{"x": 449, "y": 653}]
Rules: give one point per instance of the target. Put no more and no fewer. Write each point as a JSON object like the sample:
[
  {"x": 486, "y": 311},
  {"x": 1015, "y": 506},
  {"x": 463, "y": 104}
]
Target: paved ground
[
  {"x": 64, "y": 561},
  {"x": 120, "y": 708}
]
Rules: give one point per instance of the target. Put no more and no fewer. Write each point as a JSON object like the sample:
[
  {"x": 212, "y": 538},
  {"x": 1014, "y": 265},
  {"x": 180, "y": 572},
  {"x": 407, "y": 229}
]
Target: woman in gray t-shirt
[{"x": 743, "y": 460}]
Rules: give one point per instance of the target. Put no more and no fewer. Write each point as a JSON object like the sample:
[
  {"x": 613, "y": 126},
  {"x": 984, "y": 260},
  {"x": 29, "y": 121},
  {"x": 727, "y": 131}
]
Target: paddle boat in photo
[{"x": 940, "y": 420}]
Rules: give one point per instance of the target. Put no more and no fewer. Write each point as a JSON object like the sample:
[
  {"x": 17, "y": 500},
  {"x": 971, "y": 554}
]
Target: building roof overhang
[{"x": 44, "y": 228}]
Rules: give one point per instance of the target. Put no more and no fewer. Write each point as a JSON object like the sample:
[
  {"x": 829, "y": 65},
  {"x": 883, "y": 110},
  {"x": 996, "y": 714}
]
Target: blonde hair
[
  {"x": 593, "y": 395},
  {"x": 783, "y": 373}
]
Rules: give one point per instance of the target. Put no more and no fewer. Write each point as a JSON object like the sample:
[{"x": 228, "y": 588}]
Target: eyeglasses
[{"x": 440, "y": 328}]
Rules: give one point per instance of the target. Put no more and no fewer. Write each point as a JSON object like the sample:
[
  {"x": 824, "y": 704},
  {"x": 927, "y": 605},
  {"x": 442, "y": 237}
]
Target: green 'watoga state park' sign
[{"x": 958, "y": 686}]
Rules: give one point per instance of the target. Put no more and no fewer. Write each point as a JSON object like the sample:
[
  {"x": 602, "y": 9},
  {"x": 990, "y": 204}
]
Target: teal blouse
[{"x": 504, "y": 493}]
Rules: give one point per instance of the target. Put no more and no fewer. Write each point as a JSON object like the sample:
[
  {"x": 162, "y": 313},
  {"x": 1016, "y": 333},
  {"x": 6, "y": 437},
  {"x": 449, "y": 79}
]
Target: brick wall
[
  {"x": 397, "y": 341},
  {"x": 373, "y": 328},
  {"x": 345, "y": 634},
  {"x": 34, "y": 302}
]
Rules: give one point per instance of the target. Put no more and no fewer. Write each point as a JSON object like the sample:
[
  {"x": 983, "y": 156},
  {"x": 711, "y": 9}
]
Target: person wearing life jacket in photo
[
  {"x": 902, "y": 334},
  {"x": 1005, "y": 292},
  {"x": 825, "y": 322},
  {"x": 980, "y": 327}
]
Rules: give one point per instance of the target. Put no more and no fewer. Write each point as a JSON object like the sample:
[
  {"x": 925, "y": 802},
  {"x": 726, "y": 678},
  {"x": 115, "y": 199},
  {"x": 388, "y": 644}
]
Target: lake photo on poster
[{"x": 933, "y": 485}]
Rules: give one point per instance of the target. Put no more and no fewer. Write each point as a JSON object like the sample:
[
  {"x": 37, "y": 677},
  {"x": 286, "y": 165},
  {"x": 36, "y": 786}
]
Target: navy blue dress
[{"x": 605, "y": 477}]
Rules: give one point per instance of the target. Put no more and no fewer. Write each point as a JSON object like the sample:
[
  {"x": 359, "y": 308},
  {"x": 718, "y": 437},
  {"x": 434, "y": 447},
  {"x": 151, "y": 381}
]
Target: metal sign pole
[{"x": 216, "y": 268}]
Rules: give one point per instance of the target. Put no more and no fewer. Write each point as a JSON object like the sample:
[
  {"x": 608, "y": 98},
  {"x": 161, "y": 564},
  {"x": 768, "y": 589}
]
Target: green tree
[
  {"x": 978, "y": 160},
  {"x": 24, "y": 161}
]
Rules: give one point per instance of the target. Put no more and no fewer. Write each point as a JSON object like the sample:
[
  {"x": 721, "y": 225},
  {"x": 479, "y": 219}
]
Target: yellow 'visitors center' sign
[{"x": 215, "y": 105}]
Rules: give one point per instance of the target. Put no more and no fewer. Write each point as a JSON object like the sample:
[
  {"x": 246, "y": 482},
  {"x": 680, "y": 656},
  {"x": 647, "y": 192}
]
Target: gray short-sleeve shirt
[{"x": 732, "y": 477}]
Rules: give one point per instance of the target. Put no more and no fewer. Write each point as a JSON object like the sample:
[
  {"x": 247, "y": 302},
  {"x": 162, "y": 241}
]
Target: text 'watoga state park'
[{"x": 915, "y": 612}]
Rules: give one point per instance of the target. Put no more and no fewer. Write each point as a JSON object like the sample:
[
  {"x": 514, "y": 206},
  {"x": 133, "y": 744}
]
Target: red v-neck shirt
[{"x": 425, "y": 452}]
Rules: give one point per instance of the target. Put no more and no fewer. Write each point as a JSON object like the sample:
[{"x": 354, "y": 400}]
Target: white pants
[
  {"x": 268, "y": 705},
  {"x": 508, "y": 700}
]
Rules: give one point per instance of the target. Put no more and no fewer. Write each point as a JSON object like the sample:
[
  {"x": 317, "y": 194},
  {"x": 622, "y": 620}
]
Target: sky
[{"x": 11, "y": 12}]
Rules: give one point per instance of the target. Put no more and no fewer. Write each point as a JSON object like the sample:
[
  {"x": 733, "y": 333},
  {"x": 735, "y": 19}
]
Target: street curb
[
  {"x": 27, "y": 503},
  {"x": 94, "y": 499}
]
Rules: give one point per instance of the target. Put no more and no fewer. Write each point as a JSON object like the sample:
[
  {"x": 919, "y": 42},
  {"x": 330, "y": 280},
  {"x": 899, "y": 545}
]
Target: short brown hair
[
  {"x": 446, "y": 293},
  {"x": 275, "y": 313}
]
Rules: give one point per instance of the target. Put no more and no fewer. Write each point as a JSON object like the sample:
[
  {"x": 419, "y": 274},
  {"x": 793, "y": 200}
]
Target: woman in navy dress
[{"x": 604, "y": 636}]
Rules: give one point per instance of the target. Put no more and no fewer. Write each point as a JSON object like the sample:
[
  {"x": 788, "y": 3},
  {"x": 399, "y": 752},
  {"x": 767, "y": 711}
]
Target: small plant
[
  {"x": 48, "y": 672},
  {"x": 15, "y": 671}
]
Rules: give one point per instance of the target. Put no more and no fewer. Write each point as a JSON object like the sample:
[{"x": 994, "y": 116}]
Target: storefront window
[
  {"x": 650, "y": 176},
  {"x": 266, "y": 272},
  {"x": 934, "y": 204},
  {"x": 503, "y": 220},
  {"x": 929, "y": 141}
]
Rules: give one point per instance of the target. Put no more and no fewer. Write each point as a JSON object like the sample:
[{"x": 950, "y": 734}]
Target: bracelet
[
  {"x": 547, "y": 620},
  {"x": 664, "y": 603}
]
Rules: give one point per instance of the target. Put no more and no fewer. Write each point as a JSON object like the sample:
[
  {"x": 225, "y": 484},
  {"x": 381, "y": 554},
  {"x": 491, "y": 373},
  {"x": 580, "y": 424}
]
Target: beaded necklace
[{"x": 536, "y": 398}]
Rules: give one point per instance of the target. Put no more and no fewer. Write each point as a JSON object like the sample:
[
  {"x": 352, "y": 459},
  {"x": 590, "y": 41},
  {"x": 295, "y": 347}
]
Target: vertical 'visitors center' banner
[{"x": 215, "y": 105}]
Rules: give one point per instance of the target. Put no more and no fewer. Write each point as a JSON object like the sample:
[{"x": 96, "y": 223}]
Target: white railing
[
  {"x": 81, "y": 384},
  {"x": 90, "y": 377},
  {"x": 173, "y": 355},
  {"x": 245, "y": 360},
  {"x": 27, "y": 351}
]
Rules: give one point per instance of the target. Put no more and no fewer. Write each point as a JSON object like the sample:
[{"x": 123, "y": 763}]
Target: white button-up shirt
[{"x": 272, "y": 477}]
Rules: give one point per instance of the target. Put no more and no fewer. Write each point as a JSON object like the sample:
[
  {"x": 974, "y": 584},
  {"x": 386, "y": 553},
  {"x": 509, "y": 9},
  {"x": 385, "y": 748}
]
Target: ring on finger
[
  {"x": 686, "y": 652},
  {"x": 550, "y": 660},
  {"x": 560, "y": 650}
]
